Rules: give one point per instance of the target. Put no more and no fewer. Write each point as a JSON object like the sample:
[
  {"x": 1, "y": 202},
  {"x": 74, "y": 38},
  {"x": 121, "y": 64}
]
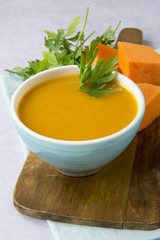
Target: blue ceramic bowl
[{"x": 76, "y": 158}]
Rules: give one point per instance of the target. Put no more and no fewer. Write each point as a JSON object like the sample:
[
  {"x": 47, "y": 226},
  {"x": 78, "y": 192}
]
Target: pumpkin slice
[
  {"x": 140, "y": 63},
  {"x": 152, "y": 100}
]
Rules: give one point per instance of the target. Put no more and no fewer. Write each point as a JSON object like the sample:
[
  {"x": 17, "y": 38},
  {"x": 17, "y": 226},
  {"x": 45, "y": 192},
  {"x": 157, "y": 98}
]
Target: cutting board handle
[{"x": 132, "y": 35}]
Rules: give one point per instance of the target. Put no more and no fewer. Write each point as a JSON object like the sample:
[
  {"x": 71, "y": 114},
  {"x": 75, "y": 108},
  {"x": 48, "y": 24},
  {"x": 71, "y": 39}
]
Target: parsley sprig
[
  {"x": 94, "y": 80},
  {"x": 66, "y": 47}
]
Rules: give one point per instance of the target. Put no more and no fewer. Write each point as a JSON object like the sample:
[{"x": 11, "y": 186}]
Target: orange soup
[{"x": 57, "y": 109}]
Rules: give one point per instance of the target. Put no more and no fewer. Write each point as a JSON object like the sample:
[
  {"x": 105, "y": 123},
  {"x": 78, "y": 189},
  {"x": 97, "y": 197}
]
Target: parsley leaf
[
  {"x": 50, "y": 59},
  {"x": 94, "y": 80},
  {"x": 108, "y": 37},
  {"x": 51, "y": 35},
  {"x": 72, "y": 27}
]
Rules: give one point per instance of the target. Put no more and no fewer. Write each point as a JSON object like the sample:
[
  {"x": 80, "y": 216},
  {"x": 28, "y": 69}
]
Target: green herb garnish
[
  {"x": 94, "y": 80},
  {"x": 66, "y": 47}
]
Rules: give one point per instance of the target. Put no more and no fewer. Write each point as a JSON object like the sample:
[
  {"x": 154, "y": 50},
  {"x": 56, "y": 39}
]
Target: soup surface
[{"x": 58, "y": 109}]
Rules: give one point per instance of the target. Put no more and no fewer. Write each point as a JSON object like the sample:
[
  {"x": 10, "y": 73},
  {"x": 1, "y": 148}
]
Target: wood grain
[
  {"x": 124, "y": 194},
  {"x": 131, "y": 35},
  {"x": 98, "y": 200},
  {"x": 143, "y": 200}
]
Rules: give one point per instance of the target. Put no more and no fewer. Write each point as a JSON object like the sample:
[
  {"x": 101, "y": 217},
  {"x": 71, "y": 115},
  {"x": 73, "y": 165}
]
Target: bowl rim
[{"x": 139, "y": 98}]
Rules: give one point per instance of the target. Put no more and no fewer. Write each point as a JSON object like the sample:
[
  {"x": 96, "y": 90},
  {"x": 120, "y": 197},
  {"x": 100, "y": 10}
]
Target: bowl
[{"x": 76, "y": 158}]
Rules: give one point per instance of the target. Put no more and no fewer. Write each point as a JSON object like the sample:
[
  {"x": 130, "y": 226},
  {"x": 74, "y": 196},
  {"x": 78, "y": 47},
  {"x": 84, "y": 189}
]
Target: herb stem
[
  {"x": 82, "y": 30},
  {"x": 89, "y": 36},
  {"x": 86, "y": 38},
  {"x": 117, "y": 27}
]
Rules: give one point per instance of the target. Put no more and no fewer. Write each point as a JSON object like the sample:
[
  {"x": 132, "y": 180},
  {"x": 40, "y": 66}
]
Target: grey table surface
[{"x": 22, "y": 39}]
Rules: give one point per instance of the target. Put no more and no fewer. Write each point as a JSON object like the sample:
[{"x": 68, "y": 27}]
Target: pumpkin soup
[{"x": 57, "y": 109}]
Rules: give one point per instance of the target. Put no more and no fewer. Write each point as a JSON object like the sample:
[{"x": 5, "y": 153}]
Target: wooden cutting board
[{"x": 125, "y": 194}]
